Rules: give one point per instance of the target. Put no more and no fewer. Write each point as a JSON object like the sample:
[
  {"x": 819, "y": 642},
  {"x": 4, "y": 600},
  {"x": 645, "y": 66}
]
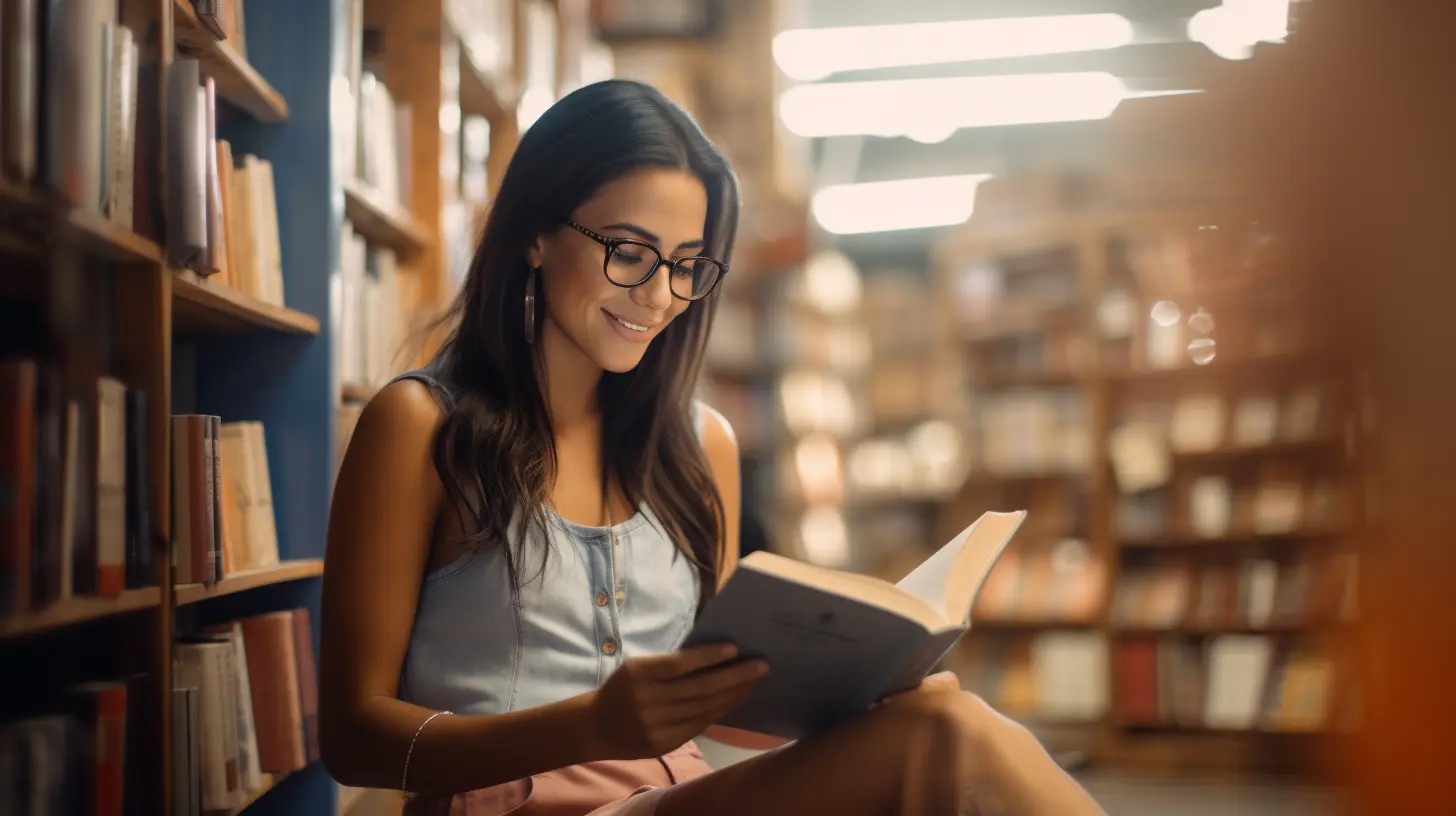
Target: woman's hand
[{"x": 651, "y": 705}]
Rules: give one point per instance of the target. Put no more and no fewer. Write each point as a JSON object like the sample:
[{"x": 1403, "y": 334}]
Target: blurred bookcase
[
  {"x": 1135, "y": 375},
  {"x": 118, "y": 319}
]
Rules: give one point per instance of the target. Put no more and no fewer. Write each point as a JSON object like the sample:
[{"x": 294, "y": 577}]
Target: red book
[
  {"x": 273, "y": 675},
  {"x": 1136, "y": 663},
  {"x": 101, "y": 708},
  {"x": 17, "y": 482}
]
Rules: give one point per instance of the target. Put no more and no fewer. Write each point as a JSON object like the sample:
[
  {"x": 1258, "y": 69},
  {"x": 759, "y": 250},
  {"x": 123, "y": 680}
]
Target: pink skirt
[{"x": 610, "y": 788}]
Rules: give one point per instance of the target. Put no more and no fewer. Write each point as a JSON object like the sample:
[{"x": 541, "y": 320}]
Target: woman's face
[{"x": 612, "y": 325}]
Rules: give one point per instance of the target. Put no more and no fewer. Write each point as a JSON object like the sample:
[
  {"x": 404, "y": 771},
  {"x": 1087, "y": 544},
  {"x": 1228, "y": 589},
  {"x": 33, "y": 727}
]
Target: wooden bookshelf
[
  {"x": 1107, "y": 371},
  {"x": 382, "y": 221},
  {"x": 237, "y": 81},
  {"x": 76, "y": 610},
  {"x": 204, "y": 307},
  {"x": 89, "y": 230},
  {"x": 253, "y": 579},
  {"x": 198, "y": 347}
]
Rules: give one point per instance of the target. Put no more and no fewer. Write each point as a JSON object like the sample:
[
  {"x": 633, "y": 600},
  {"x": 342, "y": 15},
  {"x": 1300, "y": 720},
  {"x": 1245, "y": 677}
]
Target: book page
[
  {"x": 984, "y": 542},
  {"x": 929, "y": 581}
]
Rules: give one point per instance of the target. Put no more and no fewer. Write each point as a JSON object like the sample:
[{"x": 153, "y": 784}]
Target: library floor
[
  {"x": 1122, "y": 795},
  {"x": 1127, "y": 795}
]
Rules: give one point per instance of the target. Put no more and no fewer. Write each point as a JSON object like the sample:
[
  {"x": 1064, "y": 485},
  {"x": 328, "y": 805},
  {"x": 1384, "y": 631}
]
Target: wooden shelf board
[
  {"x": 46, "y": 214},
  {"x": 79, "y": 610},
  {"x": 1183, "y": 540},
  {"x": 480, "y": 93},
  {"x": 252, "y": 579},
  {"x": 382, "y": 221},
  {"x": 1327, "y": 445},
  {"x": 1305, "y": 627},
  {"x": 204, "y": 307},
  {"x": 1031, "y": 625},
  {"x": 236, "y": 79}
]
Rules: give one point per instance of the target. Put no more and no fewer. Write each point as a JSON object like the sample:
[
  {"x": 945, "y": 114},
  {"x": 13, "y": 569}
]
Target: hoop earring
[{"x": 531, "y": 304}]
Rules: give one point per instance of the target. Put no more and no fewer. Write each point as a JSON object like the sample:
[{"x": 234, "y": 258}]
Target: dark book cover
[{"x": 140, "y": 549}]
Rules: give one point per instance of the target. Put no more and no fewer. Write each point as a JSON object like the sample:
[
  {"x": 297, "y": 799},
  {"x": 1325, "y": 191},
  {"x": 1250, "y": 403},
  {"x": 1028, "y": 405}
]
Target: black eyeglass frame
[{"x": 612, "y": 244}]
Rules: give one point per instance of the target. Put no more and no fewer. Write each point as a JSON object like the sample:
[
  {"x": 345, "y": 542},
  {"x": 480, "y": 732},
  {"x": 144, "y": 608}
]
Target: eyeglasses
[{"x": 628, "y": 263}]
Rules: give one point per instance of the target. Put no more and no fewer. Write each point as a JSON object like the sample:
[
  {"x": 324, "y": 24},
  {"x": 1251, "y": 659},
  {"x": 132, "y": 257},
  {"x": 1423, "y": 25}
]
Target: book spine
[
  {"x": 20, "y": 27},
  {"x": 17, "y": 482},
  {"x": 214, "y": 495},
  {"x": 140, "y": 565},
  {"x": 110, "y": 487}
]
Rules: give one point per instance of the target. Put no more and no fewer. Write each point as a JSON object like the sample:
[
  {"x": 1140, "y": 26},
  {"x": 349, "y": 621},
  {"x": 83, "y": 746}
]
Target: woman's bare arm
[
  {"x": 722, "y": 449},
  {"x": 386, "y": 501}
]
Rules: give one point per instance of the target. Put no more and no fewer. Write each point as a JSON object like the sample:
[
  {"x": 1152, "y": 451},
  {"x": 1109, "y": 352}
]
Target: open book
[{"x": 836, "y": 642}]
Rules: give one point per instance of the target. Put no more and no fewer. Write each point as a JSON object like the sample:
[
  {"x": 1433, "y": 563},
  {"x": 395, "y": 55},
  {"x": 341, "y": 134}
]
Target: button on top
[
  {"x": 610, "y": 647},
  {"x": 601, "y": 599}
]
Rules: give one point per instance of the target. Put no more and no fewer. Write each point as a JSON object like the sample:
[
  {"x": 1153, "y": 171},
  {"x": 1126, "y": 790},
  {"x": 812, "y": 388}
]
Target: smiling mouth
[{"x": 636, "y": 327}]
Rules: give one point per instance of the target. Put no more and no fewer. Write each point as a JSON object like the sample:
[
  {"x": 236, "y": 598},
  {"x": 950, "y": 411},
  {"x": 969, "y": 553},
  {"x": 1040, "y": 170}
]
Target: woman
[{"x": 524, "y": 531}]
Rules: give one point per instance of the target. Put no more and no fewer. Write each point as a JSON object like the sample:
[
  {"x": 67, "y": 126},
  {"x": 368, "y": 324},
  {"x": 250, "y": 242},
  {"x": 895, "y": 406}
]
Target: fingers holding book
[{"x": 652, "y": 705}]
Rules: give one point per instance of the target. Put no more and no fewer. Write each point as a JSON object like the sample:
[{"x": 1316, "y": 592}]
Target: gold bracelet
[{"x": 404, "y": 781}]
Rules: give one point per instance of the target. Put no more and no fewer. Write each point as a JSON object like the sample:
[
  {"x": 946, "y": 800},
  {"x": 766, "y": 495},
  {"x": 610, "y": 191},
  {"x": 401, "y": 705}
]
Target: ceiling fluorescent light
[
  {"x": 815, "y": 53},
  {"x": 1233, "y": 29},
  {"x": 881, "y": 206},
  {"x": 931, "y": 109}
]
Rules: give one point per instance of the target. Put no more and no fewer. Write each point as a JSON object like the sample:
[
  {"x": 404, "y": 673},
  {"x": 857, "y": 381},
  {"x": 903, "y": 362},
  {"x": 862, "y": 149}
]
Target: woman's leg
[
  {"x": 905, "y": 757},
  {"x": 926, "y": 754}
]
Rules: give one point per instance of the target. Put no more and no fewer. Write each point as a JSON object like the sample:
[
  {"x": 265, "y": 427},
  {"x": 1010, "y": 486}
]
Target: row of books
[
  {"x": 69, "y": 103},
  {"x": 1235, "y": 682},
  {"x": 373, "y": 319},
  {"x": 373, "y": 139},
  {"x": 1150, "y": 435},
  {"x": 82, "y": 751},
  {"x": 245, "y": 697},
  {"x": 222, "y": 499},
  {"x": 225, "y": 20},
  {"x": 1252, "y": 592},
  {"x": 226, "y": 211},
  {"x": 1063, "y": 583},
  {"x": 74, "y": 506},
  {"x": 1032, "y": 432},
  {"x": 1056, "y": 676},
  {"x": 1275, "y": 501}
]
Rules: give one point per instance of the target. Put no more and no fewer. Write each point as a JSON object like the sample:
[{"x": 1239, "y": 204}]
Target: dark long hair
[{"x": 496, "y": 453}]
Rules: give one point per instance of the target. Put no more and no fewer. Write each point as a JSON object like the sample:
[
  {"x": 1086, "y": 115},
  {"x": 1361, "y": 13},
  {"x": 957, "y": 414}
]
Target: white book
[
  {"x": 196, "y": 669},
  {"x": 1238, "y": 671},
  {"x": 186, "y": 176},
  {"x": 110, "y": 485}
]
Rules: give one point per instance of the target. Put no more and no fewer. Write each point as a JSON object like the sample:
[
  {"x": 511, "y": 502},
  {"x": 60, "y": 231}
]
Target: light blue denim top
[{"x": 476, "y": 650}]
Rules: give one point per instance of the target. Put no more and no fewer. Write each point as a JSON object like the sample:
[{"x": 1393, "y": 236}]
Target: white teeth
[{"x": 632, "y": 326}]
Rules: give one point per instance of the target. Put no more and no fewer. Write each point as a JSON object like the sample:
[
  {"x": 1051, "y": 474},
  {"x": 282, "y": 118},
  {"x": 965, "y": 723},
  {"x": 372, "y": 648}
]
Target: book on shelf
[
  {"x": 372, "y": 321},
  {"x": 222, "y": 508},
  {"x": 186, "y": 751},
  {"x": 382, "y": 153},
  {"x": 1234, "y": 682},
  {"x": 255, "y": 686},
  {"x": 1054, "y": 676},
  {"x": 212, "y": 15},
  {"x": 225, "y": 222},
  {"x": 82, "y": 750},
  {"x": 187, "y": 166},
  {"x": 75, "y": 509},
  {"x": 837, "y": 641},
  {"x": 19, "y": 88},
  {"x": 245, "y": 468}
]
